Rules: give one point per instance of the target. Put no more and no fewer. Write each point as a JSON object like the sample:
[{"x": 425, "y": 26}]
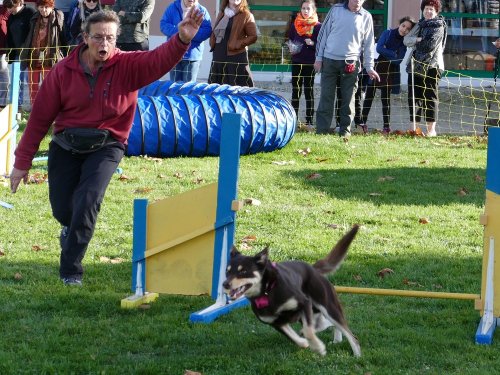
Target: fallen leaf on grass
[
  {"x": 283, "y": 162},
  {"x": 189, "y": 372},
  {"x": 156, "y": 160},
  {"x": 462, "y": 192},
  {"x": 37, "y": 178},
  {"x": 424, "y": 220},
  {"x": 142, "y": 190},
  {"x": 383, "y": 272},
  {"x": 321, "y": 160},
  {"x": 385, "y": 178},
  {"x": 313, "y": 176},
  {"x": 104, "y": 259},
  {"x": 199, "y": 180},
  {"x": 416, "y": 133},
  {"x": 304, "y": 152},
  {"x": 245, "y": 246},
  {"x": 36, "y": 248},
  {"x": 334, "y": 226},
  {"x": 251, "y": 202},
  {"x": 124, "y": 177},
  {"x": 357, "y": 278},
  {"x": 18, "y": 276},
  {"x": 437, "y": 286},
  {"x": 249, "y": 238},
  {"x": 478, "y": 178},
  {"x": 178, "y": 175},
  {"x": 1, "y": 253},
  {"x": 375, "y": 194},
  {"x": 424, "y": 162},
  {"x": 411, "y": 283},
  {"x": 145, "y": 306}
]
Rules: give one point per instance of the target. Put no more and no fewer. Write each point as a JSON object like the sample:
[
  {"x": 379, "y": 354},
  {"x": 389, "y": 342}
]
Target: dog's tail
[{"x": 333, "y": 260}]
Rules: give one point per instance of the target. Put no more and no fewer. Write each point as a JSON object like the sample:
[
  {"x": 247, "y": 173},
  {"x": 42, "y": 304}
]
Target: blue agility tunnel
[{"x": 184, "y": 119}]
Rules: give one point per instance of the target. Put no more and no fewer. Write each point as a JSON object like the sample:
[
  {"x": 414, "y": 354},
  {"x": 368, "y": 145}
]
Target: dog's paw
[
  {"x": 318, "y": 347},
  {"x": 303, "y": 343},
  {"x": 337, "y": 336}
]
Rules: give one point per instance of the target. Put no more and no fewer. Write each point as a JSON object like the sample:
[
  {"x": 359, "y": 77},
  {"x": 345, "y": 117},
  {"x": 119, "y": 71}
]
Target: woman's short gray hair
[{"x": 103, "y": 16}]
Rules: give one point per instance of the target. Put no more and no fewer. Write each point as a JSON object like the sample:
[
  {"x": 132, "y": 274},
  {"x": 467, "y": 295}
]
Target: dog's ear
[
  {"x": 262, "y": 257},
  {"x": 234, "y": 251}
]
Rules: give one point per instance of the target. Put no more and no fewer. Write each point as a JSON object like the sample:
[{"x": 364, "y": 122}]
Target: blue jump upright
[{"x": 225, "y": 219}]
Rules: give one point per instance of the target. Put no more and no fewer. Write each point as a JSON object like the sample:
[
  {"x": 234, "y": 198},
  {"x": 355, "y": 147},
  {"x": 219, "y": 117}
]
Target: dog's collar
[{"x": 263, "y": 301}]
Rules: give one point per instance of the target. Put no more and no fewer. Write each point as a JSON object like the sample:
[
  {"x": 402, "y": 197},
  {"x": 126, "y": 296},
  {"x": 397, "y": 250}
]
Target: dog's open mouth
[{"x": 238, "y": 292}]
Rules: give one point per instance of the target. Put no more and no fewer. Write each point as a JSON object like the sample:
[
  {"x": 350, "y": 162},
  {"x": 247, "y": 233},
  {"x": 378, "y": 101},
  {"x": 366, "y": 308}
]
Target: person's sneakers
[
  {"x": 72, "y": 281},
  {"x": 386, "y": 130},
  {"x": 432, "y": 134}
]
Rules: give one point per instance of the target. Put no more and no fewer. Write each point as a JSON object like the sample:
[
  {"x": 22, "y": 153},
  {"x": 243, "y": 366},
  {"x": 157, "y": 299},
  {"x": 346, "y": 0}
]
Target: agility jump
[
  {"x": 181, "y": 244},
  {"x": 488, "y": 302}
]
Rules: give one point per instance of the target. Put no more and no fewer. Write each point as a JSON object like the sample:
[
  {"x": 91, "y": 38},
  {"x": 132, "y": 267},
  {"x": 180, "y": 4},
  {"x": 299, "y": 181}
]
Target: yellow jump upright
[{"x": 490, "y": 283}]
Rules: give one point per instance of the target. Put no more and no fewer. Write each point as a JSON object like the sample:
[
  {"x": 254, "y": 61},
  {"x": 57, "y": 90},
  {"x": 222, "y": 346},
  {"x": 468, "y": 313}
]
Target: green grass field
[{"x": 418, "y": 201}]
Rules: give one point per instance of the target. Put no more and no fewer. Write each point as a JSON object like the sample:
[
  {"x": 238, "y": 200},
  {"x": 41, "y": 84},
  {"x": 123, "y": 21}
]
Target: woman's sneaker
[{"x": 386, "y": 130}]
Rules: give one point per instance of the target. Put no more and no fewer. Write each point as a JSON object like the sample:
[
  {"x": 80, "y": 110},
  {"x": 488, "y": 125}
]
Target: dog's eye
[
  {"x": 228, "y": 268},
  {"x": 240, "y": 268}
]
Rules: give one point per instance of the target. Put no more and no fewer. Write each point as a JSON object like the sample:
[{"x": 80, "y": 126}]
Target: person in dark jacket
[
  {"x": 44, "y": 44},
  {"x": 424, "y": 69},
  {"x": 302, "y": 38},
  {"x": 93, "y": 97},
  {"x": 134, "y": 16},
  {"x": 391, "y": 52},
  {"x": 18, "y": 26},
  {"x": 77, "y": 18}
]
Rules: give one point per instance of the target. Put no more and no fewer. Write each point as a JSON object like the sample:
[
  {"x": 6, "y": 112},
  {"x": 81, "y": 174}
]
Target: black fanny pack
[{"x": 83, "y": 140}]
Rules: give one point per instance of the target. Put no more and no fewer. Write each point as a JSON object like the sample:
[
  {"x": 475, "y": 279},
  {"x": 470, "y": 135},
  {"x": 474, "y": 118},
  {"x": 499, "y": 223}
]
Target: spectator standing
[
  {"x": 66, "y": 6},
  {"x": 93, "y": 98},
  {"x": 80, "y": 13},
  {"x": 4, "y": 67},
  {"x": 302, "y": 38},
  {"x": 391, "y": 51},
  {"x": 234, "y": 31},
  {"x": 427, "y": 39},
  {"x": 345, "y": 35},
  {"x": 187, "y": 69},
  {"x": 497, "y": 43},
  {"x": 18, "y": 26},
  {"x": 134, "y": 24},
  {"x": 42, "y": 47}
]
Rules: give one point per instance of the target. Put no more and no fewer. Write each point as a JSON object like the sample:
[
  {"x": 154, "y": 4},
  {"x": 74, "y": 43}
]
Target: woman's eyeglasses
[
  {"x": 92, "y": 1},
  {"x": 101, "y": 38}
]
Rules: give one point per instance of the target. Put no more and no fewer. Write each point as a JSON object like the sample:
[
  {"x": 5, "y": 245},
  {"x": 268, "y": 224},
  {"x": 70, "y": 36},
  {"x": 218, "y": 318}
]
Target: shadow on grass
[{"x": 400, "y": 186}]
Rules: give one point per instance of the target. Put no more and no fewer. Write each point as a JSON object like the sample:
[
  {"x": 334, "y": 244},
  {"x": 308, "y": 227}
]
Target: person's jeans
[
  {"x": 330, "y": 72},
  {"x": 77, "y": 186},
  {"x": 185, "y": 71}
]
